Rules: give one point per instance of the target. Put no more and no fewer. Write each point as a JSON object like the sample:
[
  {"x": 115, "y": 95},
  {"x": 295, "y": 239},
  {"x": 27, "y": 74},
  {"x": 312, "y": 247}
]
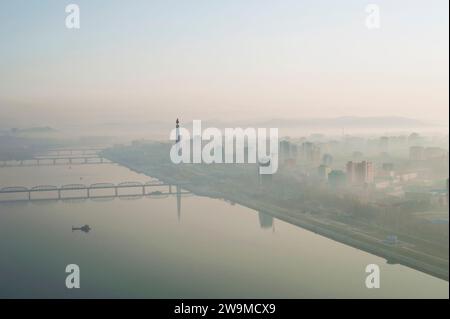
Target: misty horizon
[{"x": 240, "y": 61}]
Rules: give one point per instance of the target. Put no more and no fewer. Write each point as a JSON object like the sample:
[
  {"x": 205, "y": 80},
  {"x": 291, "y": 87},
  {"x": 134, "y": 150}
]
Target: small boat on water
[{"x": 84, "y": 228}]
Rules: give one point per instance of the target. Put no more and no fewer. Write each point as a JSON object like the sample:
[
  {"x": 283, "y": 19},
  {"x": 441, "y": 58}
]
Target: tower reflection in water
[
  {"x": 266, "y": 221},
  {"x": 178, "y": 202}
]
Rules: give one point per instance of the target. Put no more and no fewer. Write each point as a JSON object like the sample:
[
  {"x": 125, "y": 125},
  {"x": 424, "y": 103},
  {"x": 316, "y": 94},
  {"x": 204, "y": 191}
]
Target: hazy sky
[{"x": 150, "y": 60}]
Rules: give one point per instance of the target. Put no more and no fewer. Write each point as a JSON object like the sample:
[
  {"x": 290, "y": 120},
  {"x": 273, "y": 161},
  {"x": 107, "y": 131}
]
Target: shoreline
[{"x": 355, "y": 240}]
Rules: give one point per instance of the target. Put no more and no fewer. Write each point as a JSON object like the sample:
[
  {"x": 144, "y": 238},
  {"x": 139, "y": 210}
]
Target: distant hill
[
  {"x": 33, "y": 130},
  {"x": 348, "y": 121}
]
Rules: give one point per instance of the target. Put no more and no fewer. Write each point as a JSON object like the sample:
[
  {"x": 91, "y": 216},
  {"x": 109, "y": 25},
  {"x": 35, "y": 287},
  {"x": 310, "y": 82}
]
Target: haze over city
[{"x": 224, "y": 149}]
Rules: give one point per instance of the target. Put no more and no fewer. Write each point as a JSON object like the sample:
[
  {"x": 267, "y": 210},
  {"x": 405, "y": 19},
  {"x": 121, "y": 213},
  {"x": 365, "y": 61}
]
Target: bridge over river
[
  {"x": 73, "y": 151},
  {"x": 158, "y": 189},
  {"x": 56, "y": 160}
]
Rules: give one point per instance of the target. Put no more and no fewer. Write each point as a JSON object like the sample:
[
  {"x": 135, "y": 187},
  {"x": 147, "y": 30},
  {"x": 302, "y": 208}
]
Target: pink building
[{"x": 360, "y": 173}]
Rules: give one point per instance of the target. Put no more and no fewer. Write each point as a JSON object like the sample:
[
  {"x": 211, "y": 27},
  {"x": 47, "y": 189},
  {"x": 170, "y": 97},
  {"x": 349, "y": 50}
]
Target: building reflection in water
[{"x": 266, "y": 221}]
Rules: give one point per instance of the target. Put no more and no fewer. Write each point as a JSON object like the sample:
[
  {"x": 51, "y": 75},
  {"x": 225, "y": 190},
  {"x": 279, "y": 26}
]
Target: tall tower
[{"x": 178, "y": 138}]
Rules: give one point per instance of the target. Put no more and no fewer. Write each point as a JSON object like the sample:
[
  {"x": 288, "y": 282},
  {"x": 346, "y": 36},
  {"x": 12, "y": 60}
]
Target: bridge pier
[
  {"x": 116, "y": 192},
  {"x": 88, "y": 193},
  {"x": 29, "y": 195},
  {"x": 59, "y": 194},
  {"x": 143, "y": 190}
]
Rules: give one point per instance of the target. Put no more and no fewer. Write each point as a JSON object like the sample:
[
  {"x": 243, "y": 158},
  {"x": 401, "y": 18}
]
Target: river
[{"x": 169, "y": 247}]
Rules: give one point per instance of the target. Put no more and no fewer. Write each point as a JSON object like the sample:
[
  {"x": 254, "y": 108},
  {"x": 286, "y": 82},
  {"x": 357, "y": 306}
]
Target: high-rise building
[
  {"x": 288, "y": 153},
  {"x": 311, "y": 152},
  {"x": 285, "y": 150},
  {"x": 327, "y": 159},
  {"x": 323, "y": 171},
  {"x": 294, "y": 151},
  {"x": 337, "y": 178},
  {"x": 416, "y": 153},
  {"x": 360, "y": 173},
  {"x": 414, "y": 139},
  {"x": 434, "y": 152}
]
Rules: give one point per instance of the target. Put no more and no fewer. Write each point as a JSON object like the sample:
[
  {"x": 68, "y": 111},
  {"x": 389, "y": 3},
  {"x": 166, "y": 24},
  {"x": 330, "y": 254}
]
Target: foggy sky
[{"x": 135, "y": 60}]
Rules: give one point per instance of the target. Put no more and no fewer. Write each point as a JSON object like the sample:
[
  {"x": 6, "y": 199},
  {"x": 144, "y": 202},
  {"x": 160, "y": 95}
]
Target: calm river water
[{"x": 150, "y": 248}]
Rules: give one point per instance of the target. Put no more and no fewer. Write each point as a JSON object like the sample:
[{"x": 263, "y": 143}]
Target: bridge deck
[
  {"x": 55, "y": 161},
  {"x": 63, "y": 190}
]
